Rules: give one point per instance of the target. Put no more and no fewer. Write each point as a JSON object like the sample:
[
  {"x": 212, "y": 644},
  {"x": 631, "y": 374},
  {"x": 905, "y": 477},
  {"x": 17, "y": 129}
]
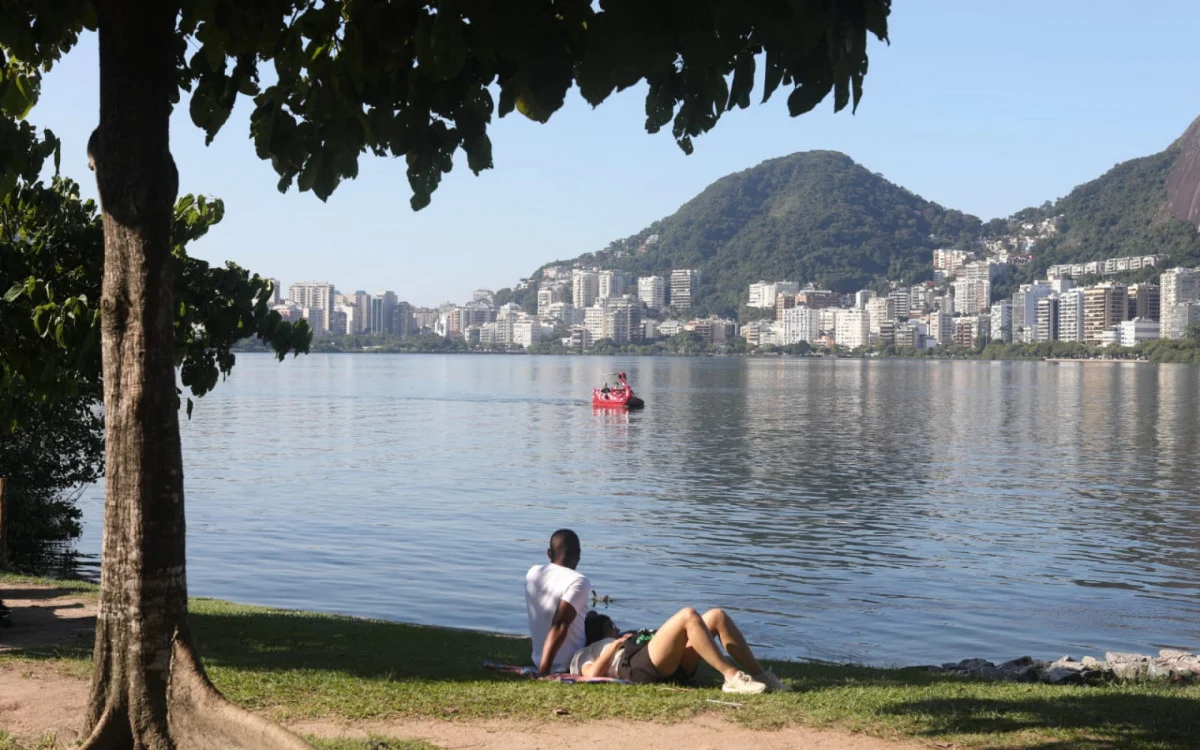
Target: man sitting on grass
[{"x": 556, "y": 596}]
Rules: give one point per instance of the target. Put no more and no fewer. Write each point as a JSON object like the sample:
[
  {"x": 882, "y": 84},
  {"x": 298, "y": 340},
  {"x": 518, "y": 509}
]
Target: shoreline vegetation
[
  {"x": 1162, "y": 351},
  {"x": 296, "y": 666}
]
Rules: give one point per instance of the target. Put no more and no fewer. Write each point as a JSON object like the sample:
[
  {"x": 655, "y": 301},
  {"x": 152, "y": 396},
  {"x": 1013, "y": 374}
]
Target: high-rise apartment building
[
  {"x": 613, "y": 283},
  {"x": 764, "y": 293},
  {"x": 801, "y": 324},
  {"x": 1046, "y": 327},
  {"x": 1070, "y": 315},
  {"x": 683, "y": 286},
  {"x": 1001, "y": 328},
  {"x": 972, "y": 296},
  {"x": 1145, "y": 301},
  {"x": 314, "y": 295},
  {"x": 853, "y": 329},
  {"x": 900, "y": 302},
  {"x": 549, "y": 294},
  {"x": 1104, "y": 306},
  {"x": 1176, "y": 286},
  {"x": 941, "y": 327},
  {"x": 652, "y": 291},
  {"x": 585, "y": 287},
  {"x": 383, "y": 306}
]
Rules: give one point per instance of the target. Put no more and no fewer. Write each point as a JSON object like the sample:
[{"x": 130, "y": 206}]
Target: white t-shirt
[
  {"x": 589, "y": 654},
  {"x": 546, "y": 586}
]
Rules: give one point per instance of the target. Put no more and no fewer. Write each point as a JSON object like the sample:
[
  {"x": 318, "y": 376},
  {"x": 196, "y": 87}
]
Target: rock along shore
[{"x": 1169, "y": 665}]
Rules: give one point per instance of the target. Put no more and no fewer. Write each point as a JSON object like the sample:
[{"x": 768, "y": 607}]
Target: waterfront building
[
  {"x": 585, "y": 287},
  {"x": 801, "y": 324},
  {"x": 613, "y": 283},
  {"x": 1070, "y": 315},
  {"x": 853, "y": 329},
  {"x": 1046, "y": 325},
  {"x": 652, "y": 291},
  {"x": 549, "y": 294},
  {"x": 763, "y": 294},
  {"x": 1177, "y": 286},
  {"x": 1001, "y": 326},
  {"x": 1104, "y": 306},
  {"x": 941, "y": 327},
  {"x": 1134, "y": 332},
  {"x": 383, "y": 306},
  {"x": 1145, "y": 301},
  {"x": 683, "y": 286}
]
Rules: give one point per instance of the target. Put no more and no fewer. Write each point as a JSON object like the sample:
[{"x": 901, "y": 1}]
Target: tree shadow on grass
[
  {"x": 1085, "y": 719},
  {"x": 261, "y": 640}
]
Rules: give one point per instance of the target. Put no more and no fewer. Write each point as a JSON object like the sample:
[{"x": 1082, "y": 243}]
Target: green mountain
[
  {"x": 819, "y": 217},
  {"x": 1139, "y": 207},
  {"x": 815, "y": 216}
]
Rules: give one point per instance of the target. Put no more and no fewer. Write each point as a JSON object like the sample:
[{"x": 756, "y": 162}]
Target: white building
[
  {"x": 941, "y": 328},
  {"x": 763, "y": 294},
  {"x": 549, "y": 294},
  {"x": 1178, "y": 285},
  {"x": 670, "y": 327},
  {"x": 317, "y": 317},
  {"x": 1070, "y": 315},
  {"x": 972, "y": 296},
  {"x": 683, "y": 287},
  {"x": 880, "y": 309},
  {"x": 314, "y": 295},
  {"x": 800, "y": 324},
  {"x": 528, "y": 331},
  {"x": 652, "y": 291},
  {"x": 585, "y": 287},
  {"x": 1134, "y": 332},
  {"x": 613, "y": 283},
  {"x": 1001, "y": 327},
  {"x": 853, "y": 329},
  {"x": 862, "y": 297}
]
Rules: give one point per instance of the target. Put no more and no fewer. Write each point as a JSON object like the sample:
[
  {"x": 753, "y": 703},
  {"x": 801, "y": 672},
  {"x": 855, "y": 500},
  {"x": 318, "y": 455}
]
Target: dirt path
[{"x": 36, "y": 699}]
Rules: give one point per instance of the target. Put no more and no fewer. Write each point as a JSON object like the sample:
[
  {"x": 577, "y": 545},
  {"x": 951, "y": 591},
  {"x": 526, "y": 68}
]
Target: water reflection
[{"x": 878, "y": 511}]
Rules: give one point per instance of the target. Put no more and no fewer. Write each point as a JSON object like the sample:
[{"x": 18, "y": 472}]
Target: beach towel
[{"x": 563, "y": 677}]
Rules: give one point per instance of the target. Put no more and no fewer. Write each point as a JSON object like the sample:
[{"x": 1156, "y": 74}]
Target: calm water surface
[{"x": 884, "y": 512}]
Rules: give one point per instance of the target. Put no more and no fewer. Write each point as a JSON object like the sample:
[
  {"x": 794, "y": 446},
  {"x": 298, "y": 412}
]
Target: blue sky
[{"x": 987, "y": 106}]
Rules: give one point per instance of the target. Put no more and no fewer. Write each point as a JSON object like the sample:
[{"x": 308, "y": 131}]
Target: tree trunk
[{"x": 148, "y": 690}]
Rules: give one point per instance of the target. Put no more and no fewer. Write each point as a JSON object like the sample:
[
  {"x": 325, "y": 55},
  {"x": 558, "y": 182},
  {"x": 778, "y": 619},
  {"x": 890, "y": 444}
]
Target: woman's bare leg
[
  {"x": 685, "y": 631},
  {"x": 732, "y": 639}
]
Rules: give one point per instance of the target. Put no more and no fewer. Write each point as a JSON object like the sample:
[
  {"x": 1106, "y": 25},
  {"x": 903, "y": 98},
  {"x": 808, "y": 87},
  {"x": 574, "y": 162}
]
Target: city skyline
[{"x": 958, "y": 109}]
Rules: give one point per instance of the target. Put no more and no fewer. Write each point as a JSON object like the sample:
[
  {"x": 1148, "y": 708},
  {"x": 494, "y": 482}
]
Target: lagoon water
[{"x": 885, "y": 512}]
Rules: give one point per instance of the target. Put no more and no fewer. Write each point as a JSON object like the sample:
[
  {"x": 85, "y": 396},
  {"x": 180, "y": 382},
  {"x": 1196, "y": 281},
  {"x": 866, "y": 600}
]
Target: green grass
[{"x": 295, "y": 665}]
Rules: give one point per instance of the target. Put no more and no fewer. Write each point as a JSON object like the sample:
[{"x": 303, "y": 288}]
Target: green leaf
[{"x": 14, "y": 292}]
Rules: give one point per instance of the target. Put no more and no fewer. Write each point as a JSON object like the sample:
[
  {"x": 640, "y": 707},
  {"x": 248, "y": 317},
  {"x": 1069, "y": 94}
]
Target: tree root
[{"x": 198, "y": 717}]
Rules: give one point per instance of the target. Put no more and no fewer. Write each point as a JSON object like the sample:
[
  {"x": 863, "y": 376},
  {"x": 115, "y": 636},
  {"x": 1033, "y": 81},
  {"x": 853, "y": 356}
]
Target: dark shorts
[{"x": 635, "y": 666}]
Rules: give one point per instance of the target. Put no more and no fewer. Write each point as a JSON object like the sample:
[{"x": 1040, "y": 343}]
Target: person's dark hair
[
  {"x": 564, "y": 542},
  {"x": 595, "y": 626}
]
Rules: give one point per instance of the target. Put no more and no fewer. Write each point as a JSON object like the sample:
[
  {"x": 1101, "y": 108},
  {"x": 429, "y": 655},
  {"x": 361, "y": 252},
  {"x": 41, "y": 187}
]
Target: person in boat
[
  {"x": 673, "y": 652},
  {"x": 605, "y": 390}
]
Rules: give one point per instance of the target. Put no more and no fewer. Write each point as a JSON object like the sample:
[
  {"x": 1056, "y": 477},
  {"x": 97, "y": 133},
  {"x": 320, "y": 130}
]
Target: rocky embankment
[{"x": 1173, "y": 666}]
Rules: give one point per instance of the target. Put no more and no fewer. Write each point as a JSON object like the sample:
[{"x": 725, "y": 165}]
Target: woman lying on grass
[{"x": 674, "y": 653}]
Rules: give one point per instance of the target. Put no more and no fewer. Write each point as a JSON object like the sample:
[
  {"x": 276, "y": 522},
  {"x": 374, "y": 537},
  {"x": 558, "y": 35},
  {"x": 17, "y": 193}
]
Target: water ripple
[{"x": 884, "y": 512}]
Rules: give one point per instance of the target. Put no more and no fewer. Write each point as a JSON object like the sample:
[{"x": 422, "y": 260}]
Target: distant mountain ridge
[{"x": 817, "y": 216}]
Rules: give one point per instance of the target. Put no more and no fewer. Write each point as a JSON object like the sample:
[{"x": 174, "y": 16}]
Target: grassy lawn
[{"x": 294, "y": 665}]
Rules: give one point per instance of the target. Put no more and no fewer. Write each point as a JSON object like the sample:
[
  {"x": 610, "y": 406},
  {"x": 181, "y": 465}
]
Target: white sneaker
[
  {"x": 743, "y": 683},
  {"x": 773, "y": 683}
]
